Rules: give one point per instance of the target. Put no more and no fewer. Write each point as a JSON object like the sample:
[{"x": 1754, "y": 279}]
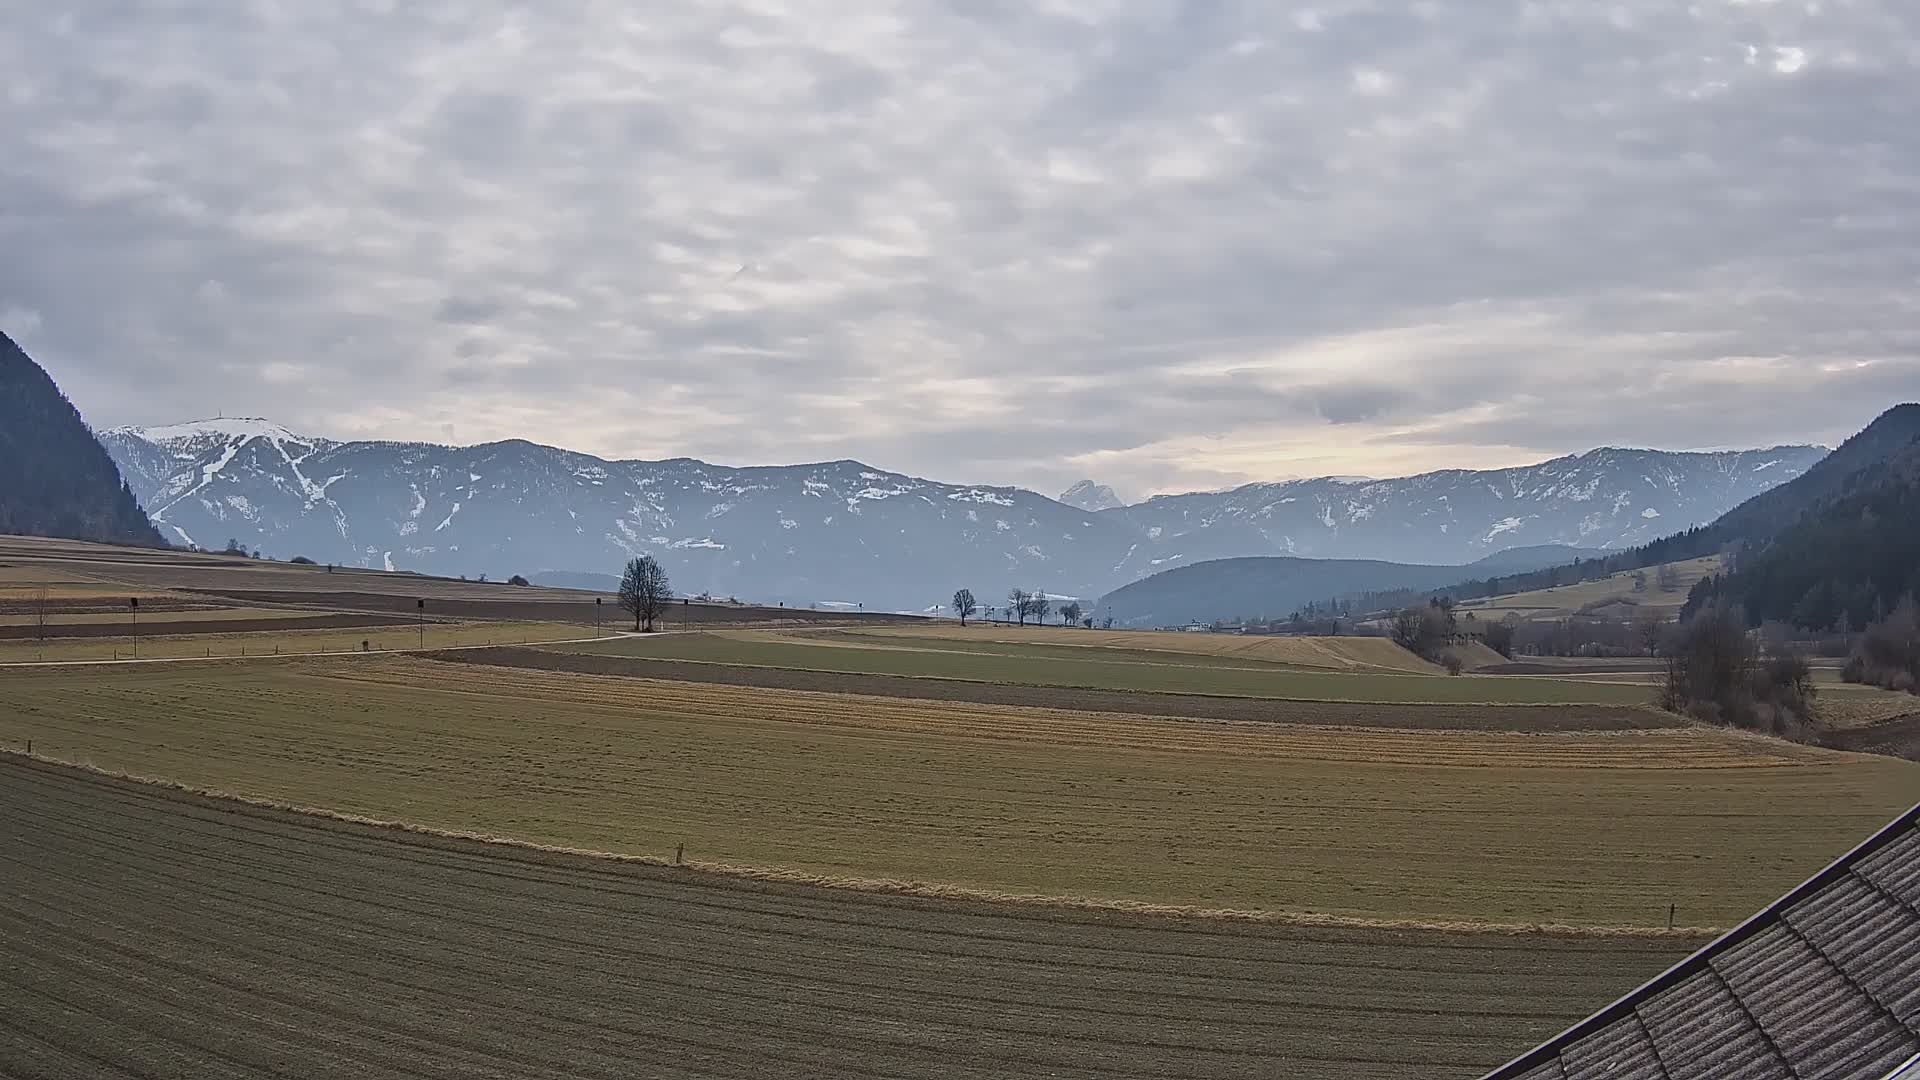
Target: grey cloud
[
  {"x": 1185, "y": 244},
  {"x": 457, "y": 309}
]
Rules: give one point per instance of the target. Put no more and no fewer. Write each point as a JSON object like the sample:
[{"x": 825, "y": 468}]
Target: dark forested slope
[{"x": 55, "y": 477}]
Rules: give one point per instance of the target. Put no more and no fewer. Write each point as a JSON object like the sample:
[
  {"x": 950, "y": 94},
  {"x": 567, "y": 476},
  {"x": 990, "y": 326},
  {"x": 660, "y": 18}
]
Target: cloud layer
[{"x": 1167, "y": 245}]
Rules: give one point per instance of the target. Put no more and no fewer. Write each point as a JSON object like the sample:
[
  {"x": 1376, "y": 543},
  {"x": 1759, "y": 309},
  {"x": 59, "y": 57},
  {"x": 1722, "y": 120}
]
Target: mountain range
[{"x": 843, "y": 531}]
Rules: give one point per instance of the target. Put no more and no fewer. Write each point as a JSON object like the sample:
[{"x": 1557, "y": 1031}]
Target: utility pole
[
  {"x": 597, "y": 601},
  {"x": 133, "y": 605},
  {"x": 421, "y": 604}
]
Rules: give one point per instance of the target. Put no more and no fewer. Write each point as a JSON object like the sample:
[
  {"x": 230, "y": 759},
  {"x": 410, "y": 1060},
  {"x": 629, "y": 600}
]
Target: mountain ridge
[{"x": 805, "y": 532}]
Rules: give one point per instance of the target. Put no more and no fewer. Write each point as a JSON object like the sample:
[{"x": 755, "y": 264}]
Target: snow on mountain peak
[{"x": 226, "y": 427}]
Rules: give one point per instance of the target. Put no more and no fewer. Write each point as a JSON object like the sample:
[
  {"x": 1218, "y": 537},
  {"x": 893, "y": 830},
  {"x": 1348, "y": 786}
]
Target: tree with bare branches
[{"x": 644, "y": 591}]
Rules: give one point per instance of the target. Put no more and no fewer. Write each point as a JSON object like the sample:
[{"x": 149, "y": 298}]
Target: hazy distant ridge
[{"x": 846, "y": 531}]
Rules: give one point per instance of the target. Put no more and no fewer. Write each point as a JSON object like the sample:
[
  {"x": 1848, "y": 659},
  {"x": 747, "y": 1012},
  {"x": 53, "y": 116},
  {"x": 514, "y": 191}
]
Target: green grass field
[
  {"x": 1053, "y": 665},
  {"x": 1616, "y": 589},
  {"x": 1503, "y": 827}
]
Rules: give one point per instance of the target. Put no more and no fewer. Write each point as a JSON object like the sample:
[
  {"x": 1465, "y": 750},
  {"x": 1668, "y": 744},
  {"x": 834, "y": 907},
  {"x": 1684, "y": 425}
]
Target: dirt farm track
[{"x": 150, "y": 932}]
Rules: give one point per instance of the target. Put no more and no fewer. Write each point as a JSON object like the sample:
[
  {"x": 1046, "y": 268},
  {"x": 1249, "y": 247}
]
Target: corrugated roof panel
[
  {"x": 1702, "y": 1031},
  {"x": 1822, "y": 985},
  {"x": 1621, "y": 1051},
  {"x": 1823, "y": 1024},
  {"x": 1896, "y": 868},
  {"x": 1871, "y": 936}
]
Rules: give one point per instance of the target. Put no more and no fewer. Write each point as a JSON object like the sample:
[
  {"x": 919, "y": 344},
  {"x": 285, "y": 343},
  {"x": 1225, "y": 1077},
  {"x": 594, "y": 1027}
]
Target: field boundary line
[
  {"x": 1069, "y": 686},
  {"x": 900, "y": 887}
]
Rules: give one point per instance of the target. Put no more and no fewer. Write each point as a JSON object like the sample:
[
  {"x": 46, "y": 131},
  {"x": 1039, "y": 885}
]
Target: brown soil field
[
  {"x": 1896, "y": 737},
  {"x": 1331, "y": 653},
  {"x": 154, "y": 933},
  {"x": 120, "y": 571},
  {"x": 178, "y": 623},
  {"x": 1585, "y": 829},
  {"x": 328, "y": 633},
  {"x": 562, "y": 607},
  {"x": 1541, "y": 718}
]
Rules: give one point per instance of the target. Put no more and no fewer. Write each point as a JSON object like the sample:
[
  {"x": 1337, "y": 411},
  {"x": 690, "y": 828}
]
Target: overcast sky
[{"x": 1163, "y": 245}]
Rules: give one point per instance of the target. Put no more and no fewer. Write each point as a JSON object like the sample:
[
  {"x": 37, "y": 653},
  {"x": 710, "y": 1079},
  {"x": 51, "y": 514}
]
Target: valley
[{"x": 870, "y": 837}]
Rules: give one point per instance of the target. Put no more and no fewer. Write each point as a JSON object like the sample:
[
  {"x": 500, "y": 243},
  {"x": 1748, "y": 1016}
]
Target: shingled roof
[{"x": 1824, "y": 983}]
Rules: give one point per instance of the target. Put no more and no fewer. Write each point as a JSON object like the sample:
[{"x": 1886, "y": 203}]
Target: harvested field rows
[
  {"x": 154, "y": 933},
  {"x": 1530, "y": 718},
  {"x": 1061, "y": 728},
  {"x": 335, "y": 633},
  {"x": 495, "y": 603},
  {"x": 182, "y": 623},
  {"x": 794, "y": 653},
  {"x": 1341, "y": 654},
  {"x": 118, "y": 618},
  {"x": 1004, "y": 801}
]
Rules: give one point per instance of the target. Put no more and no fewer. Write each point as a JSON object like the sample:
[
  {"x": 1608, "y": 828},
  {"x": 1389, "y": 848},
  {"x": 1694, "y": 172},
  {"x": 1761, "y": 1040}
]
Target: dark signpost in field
[
  {"x": 133, "y": 605},
  {"x": 421, "y": 604},
  {"x": 597, "y": 601}
]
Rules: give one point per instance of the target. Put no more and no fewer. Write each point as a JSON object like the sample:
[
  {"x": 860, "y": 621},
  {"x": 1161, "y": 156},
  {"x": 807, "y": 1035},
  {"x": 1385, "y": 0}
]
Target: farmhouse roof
[{"x": 1823, "y": 983}]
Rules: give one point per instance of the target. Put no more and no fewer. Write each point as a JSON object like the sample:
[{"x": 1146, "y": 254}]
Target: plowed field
[{"x": 152, "y": 933}]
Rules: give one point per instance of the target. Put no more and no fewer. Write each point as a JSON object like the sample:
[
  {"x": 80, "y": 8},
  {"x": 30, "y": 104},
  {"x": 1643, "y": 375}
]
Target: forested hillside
[
  {"x": 55, "y": 477},
  {"x": 1845, "y": 563},
  {"x": 1851, "y": 475}
]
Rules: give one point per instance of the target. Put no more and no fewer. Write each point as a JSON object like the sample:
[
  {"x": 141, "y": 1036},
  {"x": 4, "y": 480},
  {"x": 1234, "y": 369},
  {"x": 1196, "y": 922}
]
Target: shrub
[
  {"x": 518, "y": 580},
  {"x": 1888, "y": 654},
  {"x": 1499, "y": 638},
  {"x": 1452, "y": 662},
  {"x": 301, "y": 560},
  {"x": 1714, "y": 675}
]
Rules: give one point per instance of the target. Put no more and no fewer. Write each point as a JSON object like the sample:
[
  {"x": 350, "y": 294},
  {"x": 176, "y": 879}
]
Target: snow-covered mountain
[
  {"x": 837, "y": 531},
  {"x": 1087, "y": 495},
  {"x": 845, "y": 532},
  {"x": 1607, "y": 498}
]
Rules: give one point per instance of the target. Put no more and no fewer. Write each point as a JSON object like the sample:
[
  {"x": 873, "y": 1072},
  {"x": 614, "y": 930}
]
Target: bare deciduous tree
[
  {"x": 1666, "y": 578},
  {"x": 1040, "y": 606},
  {"x": 644, "y": 591},
  {"x": 1071, "y": 613},
  {"x": 964, "y": 605},
  {"x": 1019, "y": 604}
]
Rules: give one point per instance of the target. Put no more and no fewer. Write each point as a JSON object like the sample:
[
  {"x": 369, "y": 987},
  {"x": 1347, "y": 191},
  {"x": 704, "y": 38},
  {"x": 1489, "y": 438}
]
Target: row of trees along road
[{"x": 1022, "y": 605}]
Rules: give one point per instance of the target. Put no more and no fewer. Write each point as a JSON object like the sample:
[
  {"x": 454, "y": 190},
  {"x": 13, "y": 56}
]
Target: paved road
[{"x": 145, "y": 932}]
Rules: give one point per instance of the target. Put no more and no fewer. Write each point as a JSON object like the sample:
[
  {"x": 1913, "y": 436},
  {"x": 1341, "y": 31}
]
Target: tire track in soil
[{"x": 166, "y": 934}]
